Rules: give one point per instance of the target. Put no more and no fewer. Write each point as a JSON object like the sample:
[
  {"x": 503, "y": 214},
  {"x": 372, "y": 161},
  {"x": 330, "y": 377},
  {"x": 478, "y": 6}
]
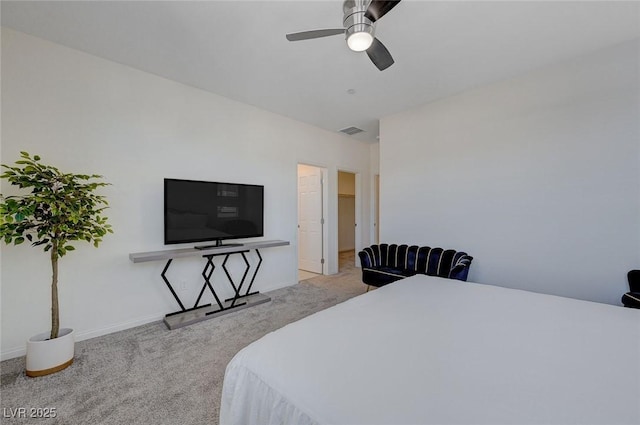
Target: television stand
[
  {"x": 218, "y": 245},
  {"x": 242, "y": 297}
]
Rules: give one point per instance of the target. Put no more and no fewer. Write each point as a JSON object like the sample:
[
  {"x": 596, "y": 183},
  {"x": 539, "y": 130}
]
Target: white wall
[
  {"x": 536, "y": 177},
  {"x": 85, "y": 114}
]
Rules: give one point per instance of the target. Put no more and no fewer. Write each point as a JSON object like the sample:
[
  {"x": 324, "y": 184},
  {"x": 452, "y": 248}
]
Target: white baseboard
[
  {"x": 81, "y": 336},
  {"x": 14, "y": 352},
  {"x": 118, "y": 327}
]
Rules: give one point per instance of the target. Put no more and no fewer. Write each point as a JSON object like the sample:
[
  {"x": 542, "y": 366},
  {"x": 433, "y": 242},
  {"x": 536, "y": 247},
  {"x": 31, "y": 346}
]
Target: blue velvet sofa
[{"x": 383, "y": 264}]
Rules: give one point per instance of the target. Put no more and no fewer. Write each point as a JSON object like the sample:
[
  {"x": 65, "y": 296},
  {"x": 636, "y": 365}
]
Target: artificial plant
[{"x": 60, "y": 208}]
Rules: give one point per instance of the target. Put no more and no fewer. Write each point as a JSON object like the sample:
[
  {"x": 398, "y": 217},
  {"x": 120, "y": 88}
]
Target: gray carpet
[{"x": 150, "y": 375}]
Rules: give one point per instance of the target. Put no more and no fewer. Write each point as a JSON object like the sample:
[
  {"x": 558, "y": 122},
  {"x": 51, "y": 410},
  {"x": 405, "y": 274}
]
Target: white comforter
[{"x": 428, "y": 350}]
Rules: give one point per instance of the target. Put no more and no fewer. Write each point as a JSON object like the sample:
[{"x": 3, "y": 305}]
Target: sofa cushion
[
  {"x": 380, "y": 276},
  {"x": 631, "y": 299}
]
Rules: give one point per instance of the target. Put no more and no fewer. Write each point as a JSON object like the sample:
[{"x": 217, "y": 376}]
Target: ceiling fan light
[{"x": 359, "y": 41}]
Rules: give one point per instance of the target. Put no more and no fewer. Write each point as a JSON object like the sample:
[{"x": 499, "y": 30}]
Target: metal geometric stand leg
[
  {"x": 247, "y": 298},
  {"x": 182, "y": 308},
  {"x": 207, "y": 272},
  {"x": 255, "y": 273},
  {"x": 236, "y": 290},
  {"x": 164, "y": 277},
  {"x": 242, "y": 296},
  {"x": 253, "y": 278},
  {"x": 252, "y": 298}
]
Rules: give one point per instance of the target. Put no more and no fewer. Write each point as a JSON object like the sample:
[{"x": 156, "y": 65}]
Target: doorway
[
  {"x": 346, "y": 220},
  {"x": 376, "y": 206},
  {"x": 311, "y": 213}
]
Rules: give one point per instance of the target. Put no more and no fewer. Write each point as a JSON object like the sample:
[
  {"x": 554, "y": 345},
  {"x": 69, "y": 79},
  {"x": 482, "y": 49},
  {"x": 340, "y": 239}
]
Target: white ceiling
[{"x": 238, "y": 48}]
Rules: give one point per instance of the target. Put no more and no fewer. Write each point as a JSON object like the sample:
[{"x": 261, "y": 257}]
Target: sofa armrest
[{"x": 460, "y": 269}]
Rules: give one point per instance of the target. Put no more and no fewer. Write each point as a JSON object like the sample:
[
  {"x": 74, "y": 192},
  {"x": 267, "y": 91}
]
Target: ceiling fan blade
[
  {"x": 307, "y": 35},
  {"x": 379, "y": 55},
  {"x": 378, "y": 8}
]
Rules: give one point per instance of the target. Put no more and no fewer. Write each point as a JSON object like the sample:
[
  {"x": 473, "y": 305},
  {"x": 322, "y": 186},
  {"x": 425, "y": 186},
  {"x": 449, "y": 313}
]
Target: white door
[{"x": 310, "y": 218}]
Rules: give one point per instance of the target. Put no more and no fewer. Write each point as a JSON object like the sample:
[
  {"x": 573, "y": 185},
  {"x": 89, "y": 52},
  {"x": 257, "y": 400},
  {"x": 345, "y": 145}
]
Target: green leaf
[{"x": 55, "y": 207}]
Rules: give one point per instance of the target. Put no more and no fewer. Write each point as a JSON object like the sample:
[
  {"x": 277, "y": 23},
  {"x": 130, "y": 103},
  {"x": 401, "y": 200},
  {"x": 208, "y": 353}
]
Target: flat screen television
[{"x": 201, "y": 211}]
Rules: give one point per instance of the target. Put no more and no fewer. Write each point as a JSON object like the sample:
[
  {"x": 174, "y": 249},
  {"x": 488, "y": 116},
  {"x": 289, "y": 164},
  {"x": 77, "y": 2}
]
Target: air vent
[{"x": 351, "y": 130}]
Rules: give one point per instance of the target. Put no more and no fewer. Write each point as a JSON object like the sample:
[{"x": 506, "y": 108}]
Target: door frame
[
  {"x": 376, "y": 208},
  {"x": 358, "y": 213}
]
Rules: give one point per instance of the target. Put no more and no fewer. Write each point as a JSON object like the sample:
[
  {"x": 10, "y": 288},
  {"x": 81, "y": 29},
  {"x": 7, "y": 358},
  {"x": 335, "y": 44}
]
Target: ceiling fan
[{"x": 359, "y": 21}]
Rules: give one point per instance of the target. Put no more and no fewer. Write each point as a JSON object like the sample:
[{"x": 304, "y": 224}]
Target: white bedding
[{"x": 427, "y": 350}]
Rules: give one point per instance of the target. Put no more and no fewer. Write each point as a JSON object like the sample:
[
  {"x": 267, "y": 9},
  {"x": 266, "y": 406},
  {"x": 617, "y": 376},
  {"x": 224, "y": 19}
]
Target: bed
[{"x": 428, "y": 350}]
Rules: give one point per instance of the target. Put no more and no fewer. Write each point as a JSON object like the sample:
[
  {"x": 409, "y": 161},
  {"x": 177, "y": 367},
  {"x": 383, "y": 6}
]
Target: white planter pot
[{"x": 46, "y": 356}]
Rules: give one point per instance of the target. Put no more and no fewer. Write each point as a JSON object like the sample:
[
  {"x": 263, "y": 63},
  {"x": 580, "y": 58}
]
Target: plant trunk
[{"x": 55, "y": 318}]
